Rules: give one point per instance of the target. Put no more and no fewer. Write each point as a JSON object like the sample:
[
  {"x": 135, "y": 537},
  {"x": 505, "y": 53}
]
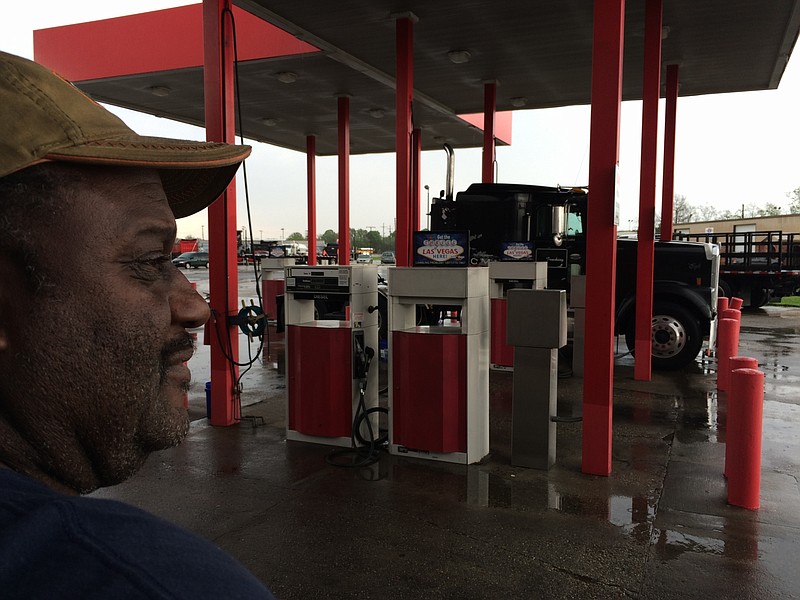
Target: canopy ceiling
[{"x": 539, "y": 52}]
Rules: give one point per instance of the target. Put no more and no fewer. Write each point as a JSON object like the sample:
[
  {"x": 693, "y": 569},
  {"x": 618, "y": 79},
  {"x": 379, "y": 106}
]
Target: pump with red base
[
  {"x": 272, "y": 273},
  {"x": 439, "y": 374},
  {"x": 504, "y": 276},
  {"x": 331, "y": 322}
]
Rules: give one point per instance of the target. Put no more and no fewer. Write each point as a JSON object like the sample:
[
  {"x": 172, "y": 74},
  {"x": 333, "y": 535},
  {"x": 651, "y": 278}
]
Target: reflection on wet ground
[{"x": 658, "y": 527}]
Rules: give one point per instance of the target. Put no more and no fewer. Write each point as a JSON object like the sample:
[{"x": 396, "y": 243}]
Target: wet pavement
[{"x": 658, "y": 527}]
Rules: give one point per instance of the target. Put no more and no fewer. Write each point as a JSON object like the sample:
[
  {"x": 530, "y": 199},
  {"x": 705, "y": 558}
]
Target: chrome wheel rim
[{"x": 669, "y": 336}]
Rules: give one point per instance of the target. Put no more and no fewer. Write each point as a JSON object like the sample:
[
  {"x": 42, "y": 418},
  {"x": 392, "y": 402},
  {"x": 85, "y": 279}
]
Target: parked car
[
  {"x": 387, "y": 258},
  {"x": 191, "y": 259},
  {"x": 364, "y": 259}
]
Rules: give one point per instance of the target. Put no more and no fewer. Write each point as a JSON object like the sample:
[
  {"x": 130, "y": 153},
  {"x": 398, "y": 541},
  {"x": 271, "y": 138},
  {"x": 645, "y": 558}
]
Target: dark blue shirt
[{"x": 58, "y": 546}]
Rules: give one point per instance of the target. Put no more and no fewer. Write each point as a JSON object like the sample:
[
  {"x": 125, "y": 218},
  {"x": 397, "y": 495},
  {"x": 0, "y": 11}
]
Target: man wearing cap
[{"x": 93, "y": 341}]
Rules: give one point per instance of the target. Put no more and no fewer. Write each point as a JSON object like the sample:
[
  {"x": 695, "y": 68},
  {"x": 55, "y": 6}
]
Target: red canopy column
[
  {"x": 601, "y": 247},
  {"x": 651, "y": 90},
  {"x": 416, "y": 164},
  {"x": 489, "y": 110},
  {"x": 223, "y": 281},
  {"x": 311, "y": 184},
  {"x": 668, "y": 183},
  {"x": 344, "y": 179},
  {"x": 404, "y": 28}
]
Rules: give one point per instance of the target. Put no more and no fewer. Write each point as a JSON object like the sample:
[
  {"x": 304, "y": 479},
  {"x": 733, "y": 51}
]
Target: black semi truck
[{"x": 554, "y": 221}]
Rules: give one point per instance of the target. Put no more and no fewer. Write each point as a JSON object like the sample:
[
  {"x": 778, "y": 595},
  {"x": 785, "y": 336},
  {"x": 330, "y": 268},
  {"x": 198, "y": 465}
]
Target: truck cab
[{"x": 554, "y": 221}]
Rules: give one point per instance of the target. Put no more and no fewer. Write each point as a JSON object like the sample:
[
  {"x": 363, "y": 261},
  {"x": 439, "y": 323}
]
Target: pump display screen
[
  {"x": 315, "y": 281},
  {"x": 441, "y": 248}
]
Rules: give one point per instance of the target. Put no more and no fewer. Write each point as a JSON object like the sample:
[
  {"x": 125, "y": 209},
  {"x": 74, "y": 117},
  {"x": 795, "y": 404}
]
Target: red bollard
[
  {"x": 722, "y": 304},
  {"x": 735, "y": 362},
  {"x": 735, "y": 303},
  {"x": 731, "y": 313},
  {"x": 727, "y": 346},
  {"x": 747, "y": 412}
]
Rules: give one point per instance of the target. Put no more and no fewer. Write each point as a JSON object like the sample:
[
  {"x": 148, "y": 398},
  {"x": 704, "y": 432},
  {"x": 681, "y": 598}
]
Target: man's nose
[{"x": 189, "y": 309}]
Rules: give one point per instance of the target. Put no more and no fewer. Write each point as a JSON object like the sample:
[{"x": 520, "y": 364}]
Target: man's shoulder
[{"x": 106, "y": 549}]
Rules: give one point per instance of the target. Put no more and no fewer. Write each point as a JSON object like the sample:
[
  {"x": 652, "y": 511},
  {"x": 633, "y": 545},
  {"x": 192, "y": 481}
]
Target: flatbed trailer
[{"x": 755, "y": 265}]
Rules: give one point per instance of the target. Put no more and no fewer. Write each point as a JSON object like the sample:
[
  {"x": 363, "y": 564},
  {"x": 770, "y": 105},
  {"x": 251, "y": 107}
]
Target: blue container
[{"x": 208, "y": 399}]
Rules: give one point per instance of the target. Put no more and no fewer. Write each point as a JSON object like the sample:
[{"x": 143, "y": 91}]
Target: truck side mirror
[{"x": 558, "y": 220}]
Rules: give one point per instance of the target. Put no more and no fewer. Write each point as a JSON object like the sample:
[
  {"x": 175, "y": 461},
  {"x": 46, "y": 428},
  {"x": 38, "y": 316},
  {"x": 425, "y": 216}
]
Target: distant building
[{"x": 785, "y": 223}]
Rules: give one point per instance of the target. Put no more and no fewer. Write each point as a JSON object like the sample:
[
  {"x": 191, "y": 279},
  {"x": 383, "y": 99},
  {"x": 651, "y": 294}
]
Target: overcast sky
[{"x": 732, "y": 149}]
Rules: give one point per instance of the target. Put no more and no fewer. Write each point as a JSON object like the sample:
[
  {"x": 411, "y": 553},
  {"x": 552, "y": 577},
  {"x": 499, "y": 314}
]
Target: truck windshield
[{"x": 574, "y": 220}]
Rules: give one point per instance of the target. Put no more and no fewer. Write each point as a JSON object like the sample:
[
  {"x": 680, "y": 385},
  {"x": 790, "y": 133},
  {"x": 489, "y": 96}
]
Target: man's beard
[{"x": 94, "y": 396}]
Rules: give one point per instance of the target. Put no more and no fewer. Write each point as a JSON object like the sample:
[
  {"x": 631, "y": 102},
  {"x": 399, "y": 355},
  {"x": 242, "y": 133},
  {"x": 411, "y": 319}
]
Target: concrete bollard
[
  {"x": 735, "y": 362},
  {"x": 727, "y": 346},
  {"x": 735, "y": 303},
  {"x": 747, "y": 411}
]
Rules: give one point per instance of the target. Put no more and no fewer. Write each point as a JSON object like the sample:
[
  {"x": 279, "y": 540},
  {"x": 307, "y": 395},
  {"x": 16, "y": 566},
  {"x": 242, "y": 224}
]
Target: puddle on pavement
[
  {"x": 526, "y": 492},
  {"x": 669, "y": 544},
  {"x": 739, "y": 543}
]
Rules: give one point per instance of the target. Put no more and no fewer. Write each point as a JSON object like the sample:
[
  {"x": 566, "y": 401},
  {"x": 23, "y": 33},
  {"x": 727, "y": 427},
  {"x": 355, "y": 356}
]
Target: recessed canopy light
[
  {"x": 286, "y": 76},
  {"x": 160, "y": 90},
  {"x": 376, "y": 113},
  {"x": 269, "y": 121},
  {"x": 519, "y": 101},
  {"x": 459, "y": 57}
]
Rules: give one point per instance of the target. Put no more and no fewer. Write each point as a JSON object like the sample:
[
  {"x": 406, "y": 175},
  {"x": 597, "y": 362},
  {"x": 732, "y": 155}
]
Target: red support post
[
  {"x": 645, "y": 248},
  {"x": 489, "y": 110},
  {"x": 223, "y": 286},
  {"x": 601, "y": 250},
  {"x": 344, "y": 179},
  {"x": 668, "y": 183},
  {"x": 404, "y": 98},
  {"x": 416, "y": 164},
  {"x": 311, "y": 184},
  {"x": 746, "y": 412}
]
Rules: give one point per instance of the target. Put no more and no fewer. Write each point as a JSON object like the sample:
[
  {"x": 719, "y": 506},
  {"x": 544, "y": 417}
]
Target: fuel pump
[
  {"x": 505, "y": 276},
  {"x": 439, "y": 374},
  {"x": 331, "y": 336},
  {"x": 272, "y": 273}
]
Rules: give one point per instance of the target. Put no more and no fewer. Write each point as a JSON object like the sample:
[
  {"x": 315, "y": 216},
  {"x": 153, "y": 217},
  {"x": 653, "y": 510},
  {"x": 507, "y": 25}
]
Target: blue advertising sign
[
  {"x": 516, "y": 251},
  {"x": 441, "y": 248}
]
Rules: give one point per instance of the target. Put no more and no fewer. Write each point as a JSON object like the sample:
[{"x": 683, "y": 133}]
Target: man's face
[{"x": 97, "y": 375}]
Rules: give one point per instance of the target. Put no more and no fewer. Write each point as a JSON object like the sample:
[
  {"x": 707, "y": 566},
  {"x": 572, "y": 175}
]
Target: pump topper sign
[
  {"x": 516, "y": 251},
  {"x": 444, "y": 248}
]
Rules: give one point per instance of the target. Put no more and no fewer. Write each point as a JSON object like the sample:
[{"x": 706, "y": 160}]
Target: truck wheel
[
  {"x": 724, "y": 289},
  {"x": 676, "y": 337},
  {"x": 759, "y": 297}
]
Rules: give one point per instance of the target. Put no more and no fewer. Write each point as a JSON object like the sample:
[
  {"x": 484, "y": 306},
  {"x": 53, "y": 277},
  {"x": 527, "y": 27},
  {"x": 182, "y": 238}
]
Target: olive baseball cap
[{"x": 45, "y": 118}]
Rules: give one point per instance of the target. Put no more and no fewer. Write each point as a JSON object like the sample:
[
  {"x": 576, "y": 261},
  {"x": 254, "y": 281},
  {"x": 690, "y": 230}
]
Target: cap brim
[{"x": 194, "y": 174}]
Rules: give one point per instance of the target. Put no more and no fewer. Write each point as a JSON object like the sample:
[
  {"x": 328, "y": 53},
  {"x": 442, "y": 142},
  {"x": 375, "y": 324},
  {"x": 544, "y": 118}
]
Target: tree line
[
  {"x": 692, "y": 213},
  {"x": 359, "y": 238}
]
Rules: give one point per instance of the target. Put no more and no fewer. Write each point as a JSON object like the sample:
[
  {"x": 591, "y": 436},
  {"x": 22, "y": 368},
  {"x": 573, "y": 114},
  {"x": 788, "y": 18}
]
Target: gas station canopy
[{"x": 539, "y": 52}]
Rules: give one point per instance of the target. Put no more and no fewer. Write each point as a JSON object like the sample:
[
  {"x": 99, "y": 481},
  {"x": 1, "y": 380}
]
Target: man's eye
[{"x": 152, "y": 267}]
